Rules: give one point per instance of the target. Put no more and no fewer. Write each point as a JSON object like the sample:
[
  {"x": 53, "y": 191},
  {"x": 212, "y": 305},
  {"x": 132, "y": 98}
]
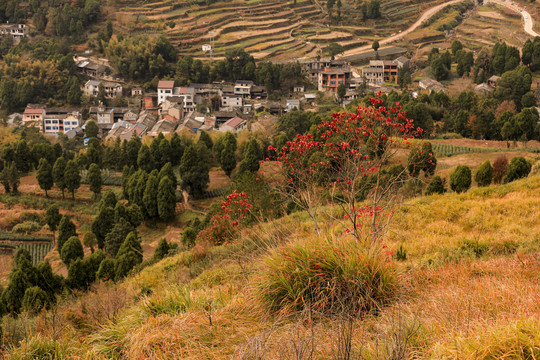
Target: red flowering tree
[
  {"x": 236, "y": 211},
  {"x": 350, "y": 158}
]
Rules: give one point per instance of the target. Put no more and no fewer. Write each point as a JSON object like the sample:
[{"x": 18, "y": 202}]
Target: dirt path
[
  {"x": 527, "y": 26},
  {"x": 528, "y": 23},
  {"x": 426, "y": 15}
]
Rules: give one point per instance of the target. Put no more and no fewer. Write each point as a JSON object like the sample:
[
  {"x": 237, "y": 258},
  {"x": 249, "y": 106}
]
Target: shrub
[
  {"x": 518, "y": 169},
  {"x": 106, "y": 270},
  {"x": 34, "y": 300},
  {"x": 460, "y": 180},
  {"x": 436, "y": 186},
  {"x": 71, "y": 250},
  {"x": 32, "y": 216},
  {"x": 484, "y": 174},
  {"x": 188, "y": 237},
  {"x": 500, "y": 168},
  {"x": 162, "y": 250},
  {"x": 27, "y": 227},
  {"x": 327, "y": 276}
]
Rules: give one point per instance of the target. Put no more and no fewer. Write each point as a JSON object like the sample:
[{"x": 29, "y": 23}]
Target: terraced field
[{"x": 267, "y": 29}]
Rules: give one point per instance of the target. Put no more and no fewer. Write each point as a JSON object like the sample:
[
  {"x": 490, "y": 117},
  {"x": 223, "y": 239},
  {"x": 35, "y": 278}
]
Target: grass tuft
[{"x": 327, "y": 276}]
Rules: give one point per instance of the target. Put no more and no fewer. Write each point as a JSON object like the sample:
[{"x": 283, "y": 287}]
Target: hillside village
[{"x": 286, "y": 179}]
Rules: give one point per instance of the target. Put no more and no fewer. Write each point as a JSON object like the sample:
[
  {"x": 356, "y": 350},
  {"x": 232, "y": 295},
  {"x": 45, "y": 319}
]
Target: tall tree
[
  {"x": 129, "y": 255},
  {"x": 194, "y": 172},
  {"x": 91, "y": 129},
  {"x": 205, "y": 138},
  {"x": 72, "y": 177},
  {"x": 252, "y": 157},
  {"x": 71, "y": 250},
  {"x": 166, "y": 199},
  {"x": 145, "y": 159},
  {"x": 23, "y": 157},
  {"x": 44, "y": 176},
  {"x": 117, "y": 236},
  {"x": 228, "y": 159},
  {"x": 59, "y": 170},
  {"x": 66, "y": 229},
  {"x": 52, "y": 218},
  {"x": 102, "y": 225},
  {"x": 150, "y": 197},
  {"x": 93, "y": 176}
]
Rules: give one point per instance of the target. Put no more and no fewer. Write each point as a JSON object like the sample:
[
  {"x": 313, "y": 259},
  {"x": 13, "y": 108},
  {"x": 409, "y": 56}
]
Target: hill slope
[
  {"x": 469, "y": 288},
  {"x": 267, "y": 29}
]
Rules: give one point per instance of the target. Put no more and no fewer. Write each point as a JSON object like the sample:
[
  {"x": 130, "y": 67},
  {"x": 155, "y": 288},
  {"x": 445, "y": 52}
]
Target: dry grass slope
[{"x": 468, "y": 289}]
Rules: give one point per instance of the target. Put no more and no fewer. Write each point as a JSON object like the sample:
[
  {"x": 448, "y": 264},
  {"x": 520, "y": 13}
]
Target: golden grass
[{"x": 469, "y": 289}]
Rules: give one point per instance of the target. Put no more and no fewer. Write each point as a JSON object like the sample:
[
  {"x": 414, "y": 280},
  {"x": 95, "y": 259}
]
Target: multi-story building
[
  {"x": 165, "y": 89},
  {"x": 381, "y": 71},
  {"x": 232, "y": 101},
  {"x": 15, "y": 31},
  {"x": 112, "y": 89},
  {"x": 330, "y": 78},
  {"x": 33, "y": 115},
  {"x": 60, "y": 120},
  {"x": 243, "y": 88}
]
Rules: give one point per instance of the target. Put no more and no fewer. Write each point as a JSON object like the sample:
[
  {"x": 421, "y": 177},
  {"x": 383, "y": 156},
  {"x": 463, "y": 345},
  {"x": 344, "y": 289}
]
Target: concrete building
[
  {"x": 381, "y": 71},
  {"x": 165, "y": 89},
  {"x": 60, "y": 120},
  {"x": 330, "y": 78},
  {"x": 34, "y": 115},
  {"x": 112, "y": 89},
  {"x": 231, "y": 101},
  {"x": 243, "y": 88}
]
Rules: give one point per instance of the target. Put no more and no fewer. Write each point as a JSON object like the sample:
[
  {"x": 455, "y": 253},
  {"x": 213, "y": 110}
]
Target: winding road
[{"x": 527, "y": 25}]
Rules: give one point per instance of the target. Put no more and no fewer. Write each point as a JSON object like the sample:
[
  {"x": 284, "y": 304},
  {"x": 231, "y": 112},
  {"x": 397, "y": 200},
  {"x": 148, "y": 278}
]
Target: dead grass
[{"x": 468, "y": 289}]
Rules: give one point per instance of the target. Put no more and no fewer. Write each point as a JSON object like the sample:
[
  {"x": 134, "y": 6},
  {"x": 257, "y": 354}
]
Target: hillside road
[
  {"x": 528, "y": 23},
  {"x": 425, "y": 15}
]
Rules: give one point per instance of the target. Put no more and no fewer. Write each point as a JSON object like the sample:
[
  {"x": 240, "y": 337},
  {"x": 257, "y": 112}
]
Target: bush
[
  {"x": 32, "y": 216},
  {"x": 500, "y": 169},
  {"x": 518, "y": 169},
  {"x": 484, "y": 174},
  {"x": 460, "y": 180},
  {"x": 327, "y": 276},
  {"x": 34, "y": 300},
  {"x": 71, "y": 250},
  {"x": 188, "y": 237},
  {"x": 27, "y": 227},
  {"x": 106, "y": 270},
  {"x": 436, "y": 186},
  {"x": 162, "y": 250}
]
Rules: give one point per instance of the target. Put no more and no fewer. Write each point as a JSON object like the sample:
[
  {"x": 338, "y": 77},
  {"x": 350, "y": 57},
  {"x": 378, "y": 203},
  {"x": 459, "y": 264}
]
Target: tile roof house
[
  {"x": 164, "y": 127},
  {"x": 33, "y": 115},
  {"x": 165, "y": 89},
  {"x": 235, "y": 124}
]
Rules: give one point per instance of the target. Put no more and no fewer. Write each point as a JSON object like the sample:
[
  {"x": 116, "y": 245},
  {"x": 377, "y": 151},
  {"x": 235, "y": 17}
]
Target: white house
[
  {"x": 233, "y": 101},
  {"x": 57, "y": 121},
  {"x": 112, "y": 89},
  {"x": 243, "y": 88},
  {"x": 165, "y": 89}
]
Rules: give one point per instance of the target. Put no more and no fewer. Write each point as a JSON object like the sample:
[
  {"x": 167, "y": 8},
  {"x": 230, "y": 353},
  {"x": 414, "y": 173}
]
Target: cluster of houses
[{"x": 172, "y": 108}]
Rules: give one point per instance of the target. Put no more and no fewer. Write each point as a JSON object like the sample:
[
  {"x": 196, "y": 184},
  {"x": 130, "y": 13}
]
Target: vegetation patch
[{"x": 327, "y": 276}]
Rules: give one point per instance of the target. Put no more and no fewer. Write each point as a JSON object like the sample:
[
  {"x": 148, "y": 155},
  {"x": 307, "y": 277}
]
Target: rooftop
[
  {"x": 235, "y": 122},
  {"x": 165, "y": 84}
]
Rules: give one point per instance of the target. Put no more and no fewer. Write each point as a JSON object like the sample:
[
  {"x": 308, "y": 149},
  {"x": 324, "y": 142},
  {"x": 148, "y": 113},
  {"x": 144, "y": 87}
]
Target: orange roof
[
  {"x": 33, "y": 110},
  {"x": 165, "y": 84}
]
